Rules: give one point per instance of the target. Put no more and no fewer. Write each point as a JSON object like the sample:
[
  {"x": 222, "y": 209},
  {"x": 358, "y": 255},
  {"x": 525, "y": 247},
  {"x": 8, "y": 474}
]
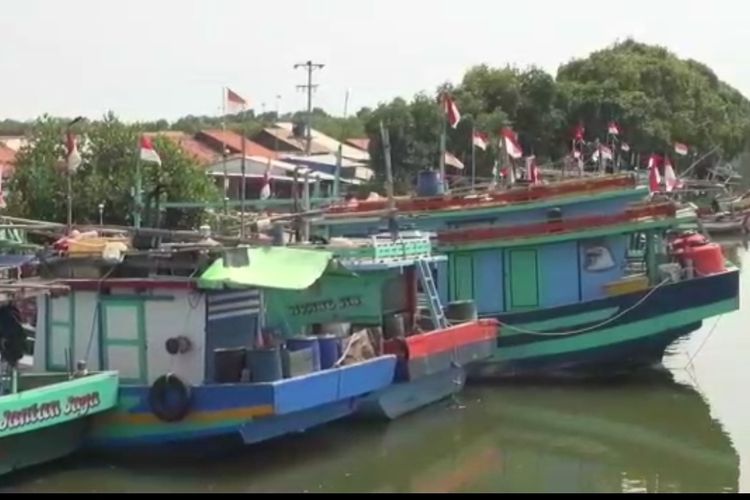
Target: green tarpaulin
[{"x": 268, "y": 267}]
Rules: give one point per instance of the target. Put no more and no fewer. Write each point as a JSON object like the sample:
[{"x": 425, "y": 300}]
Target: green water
[{"x": 682, "y": 430}]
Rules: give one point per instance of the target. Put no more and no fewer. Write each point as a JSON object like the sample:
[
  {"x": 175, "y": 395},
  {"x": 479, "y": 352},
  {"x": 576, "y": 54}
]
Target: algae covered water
[{"x": 682, "y": 429}]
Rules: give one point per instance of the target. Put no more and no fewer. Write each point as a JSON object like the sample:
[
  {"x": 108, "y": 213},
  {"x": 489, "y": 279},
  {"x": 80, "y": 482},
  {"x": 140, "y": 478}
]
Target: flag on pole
[
  {"x": 510, "y": 141},
  {"x": 452, "y": 161},
  {"x": 578, "y": 132},
  {"x": 265, "y": 191},
  {"x": 613, "y": 128},
  {"x": 451, "y": 111},
  {"x": 625, "y": 146},
  {"x": 654, "y": 178},
  {"x": 603, "y": 150},
  {"x": 671, "y": 182},
  {"x": 235, "y": 103},
  {"x": 148, "y": 153},
  {"x": 73, "y": 157},
  {"x": 480, "y": 140},
  {"x": 680, "y": 149}
]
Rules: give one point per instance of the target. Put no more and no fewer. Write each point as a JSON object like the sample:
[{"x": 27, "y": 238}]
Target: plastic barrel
[
  {"x": 394, "y": 327},
  {"x": 429, "y": 183},
  {"x": 265, "y": 365},
  {"x": 461, "y": 311},
  {"x": 228, "y": 364},
  {"x": 298, "y": 343},
  {"x": 330, "y": 350}
]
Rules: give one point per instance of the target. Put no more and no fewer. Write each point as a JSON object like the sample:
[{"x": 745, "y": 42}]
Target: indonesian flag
[
  {"x": 532, "y": 170},
  {"x": 654, "y": 179},
  {"x": 510, "y": 143},
  {"x": 480, "y": 140},
  {"x": 671, "y": 182},
  {"x": 235, "y": 103},
  {"x": 625, "y": 146},
  {"x": 73, "y": 157},
  {"x": 148, "y": 153},
  {"x": 578, "y": 132},
  {"x": 452, "y": 161},
  {"x": 613, "y": 129},
  {"x": 451, "y": 111},
  {"x": 605, "y": 151},
  {"x": 265, "y": 191},
  {"x": 680, "y": 149}
]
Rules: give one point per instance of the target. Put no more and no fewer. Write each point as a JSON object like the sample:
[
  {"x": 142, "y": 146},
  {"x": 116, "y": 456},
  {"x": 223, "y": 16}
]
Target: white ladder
[{"x": 430, "y": 290}]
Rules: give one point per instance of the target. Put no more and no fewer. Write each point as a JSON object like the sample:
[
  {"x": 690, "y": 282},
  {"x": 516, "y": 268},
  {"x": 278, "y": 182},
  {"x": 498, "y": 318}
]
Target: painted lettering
[
  {"x": 41, "y": 412},
  {"x": 325, "y": 305}
]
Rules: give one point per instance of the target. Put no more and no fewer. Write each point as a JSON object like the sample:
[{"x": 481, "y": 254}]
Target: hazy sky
[{"x": 148, "y": 59}]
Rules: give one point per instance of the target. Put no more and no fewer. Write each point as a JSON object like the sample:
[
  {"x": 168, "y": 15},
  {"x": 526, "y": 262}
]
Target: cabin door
[
  {"x": 60, "y": 332},
  {"x": 123, "y": 329},
  {"x": 462, "y": 286},
  {"x": 522, "y": 279}
]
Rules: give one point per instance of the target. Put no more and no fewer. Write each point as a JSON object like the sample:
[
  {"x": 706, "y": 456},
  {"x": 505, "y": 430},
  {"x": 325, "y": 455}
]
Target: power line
[{"x": 309, "y": 87}]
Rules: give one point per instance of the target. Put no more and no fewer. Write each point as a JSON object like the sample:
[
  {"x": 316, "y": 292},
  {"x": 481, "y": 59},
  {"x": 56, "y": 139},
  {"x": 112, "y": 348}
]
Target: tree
[{"x": 109, "y": 150}]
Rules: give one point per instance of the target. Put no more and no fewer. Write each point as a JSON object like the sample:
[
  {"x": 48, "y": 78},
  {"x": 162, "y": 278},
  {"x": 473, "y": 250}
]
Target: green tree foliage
[
  {"x": 109, "y": 150},
  {"x": 656, "y": 98}
]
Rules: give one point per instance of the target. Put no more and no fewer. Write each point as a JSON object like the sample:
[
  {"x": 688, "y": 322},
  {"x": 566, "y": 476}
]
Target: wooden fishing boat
[
  {"x": 225, "y": 351},
  {"x": 44, "y": 415},
  {"x": 604, "y": 194},
  {"x": 595, "y": 294}
]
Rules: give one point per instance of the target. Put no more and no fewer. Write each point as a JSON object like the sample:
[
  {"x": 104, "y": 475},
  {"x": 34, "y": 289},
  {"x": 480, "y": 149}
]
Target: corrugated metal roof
[
  {"x": 363, "y": 143},
  {"x": 191, "y": 147},
  {"x": 286, "y": 137},
  {"x": 331, "y": 144},
  {"x": 256, "y": 166},
  {"x": 233, "y": 142}
]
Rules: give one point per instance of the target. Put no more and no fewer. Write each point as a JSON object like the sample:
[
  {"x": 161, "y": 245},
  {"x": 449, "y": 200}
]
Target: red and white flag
[
  {"x": 452, "y": 161},
  {"x": 671, "y": 182},
  {"x": 148, "y": 153},
  {"x": 265, "y": 191},
  {"x": 613, "y": 129},
  {"x": 481, "y": 140},
  {"x": 451, "y": 111},
  {"x": 654, "y": 178},
  {"x": 235, "y": 104},
  {"x": 510, "y": 143},
  {"x": 604, "y": 151},
  {"x": 680, "y": 149},
  {"x": 73, "y": 157},
  {"x": 625, "y": 146},
  {"x": 532, "y": 170},
  {"x": 578, "y": 132}
]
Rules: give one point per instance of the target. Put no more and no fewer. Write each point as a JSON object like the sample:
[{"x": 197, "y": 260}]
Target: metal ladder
[{"x": 430, "y": 290}]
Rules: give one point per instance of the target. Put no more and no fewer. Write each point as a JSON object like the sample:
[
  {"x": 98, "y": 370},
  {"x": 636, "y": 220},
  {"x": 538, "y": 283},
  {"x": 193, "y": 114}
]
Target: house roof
[
  {"x": 7, "y": 159},
  {"x": 331, "y": 144},
  {"x": 255, "y": 166},
  {"x": 233, "y": 142},
  {"x": 359, "y": 143},
  {"x": 287, "y": 138},
  {"x": 201, "y": 152}
]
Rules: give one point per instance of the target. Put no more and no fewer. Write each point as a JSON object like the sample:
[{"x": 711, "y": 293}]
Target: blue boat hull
[
  {"x": 609, "y": 335},
  {"x": 405, "y": 397}
]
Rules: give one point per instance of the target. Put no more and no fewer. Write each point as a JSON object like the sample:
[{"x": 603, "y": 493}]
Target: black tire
[{"x": 158, "y": 398}]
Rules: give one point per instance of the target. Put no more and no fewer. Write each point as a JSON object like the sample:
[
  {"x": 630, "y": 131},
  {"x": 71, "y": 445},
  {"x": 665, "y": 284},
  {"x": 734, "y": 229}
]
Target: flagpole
[
  {"x": 70, "y": 201},
  {"x": 244, "y": 182},
  {"x": 473, "y": 156},
  {"x": 224, "y": 149},
  {"x": 441, "y": 160},
  {"x": 138, "y": 187}
]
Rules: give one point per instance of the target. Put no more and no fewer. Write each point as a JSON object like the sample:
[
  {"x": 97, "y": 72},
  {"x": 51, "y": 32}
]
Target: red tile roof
[
  {"x": 191, "y": 147},
  {"x": 214, "y": 138},
  {"x": 7, "y": 159},
  {"x": 362, "y": 144}
]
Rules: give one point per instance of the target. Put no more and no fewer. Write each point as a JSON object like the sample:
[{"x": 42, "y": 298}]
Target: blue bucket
[
  {"x": 299, "y": 343},
  {"x": 330, "y": 350},
  {"x": 429, "y": 183},
  {"x": 265, "y": 365}
]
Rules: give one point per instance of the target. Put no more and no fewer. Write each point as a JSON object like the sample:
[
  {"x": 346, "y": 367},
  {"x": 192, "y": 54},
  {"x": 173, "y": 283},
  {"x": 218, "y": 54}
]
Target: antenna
[{"x": 309, "y": 87}]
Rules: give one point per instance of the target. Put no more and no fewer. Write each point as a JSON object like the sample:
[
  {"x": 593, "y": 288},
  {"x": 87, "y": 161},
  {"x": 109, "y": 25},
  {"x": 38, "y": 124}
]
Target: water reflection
[{"x": 651, "y": 435}]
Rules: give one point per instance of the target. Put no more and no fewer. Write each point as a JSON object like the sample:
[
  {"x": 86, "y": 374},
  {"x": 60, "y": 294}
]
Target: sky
[{"x": 151, "y": 59}]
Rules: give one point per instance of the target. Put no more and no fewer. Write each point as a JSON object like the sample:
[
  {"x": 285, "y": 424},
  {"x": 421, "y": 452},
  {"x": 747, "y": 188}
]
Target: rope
[
  {"x": 594, "y": 327},
  {"x": 705, "y": 341}
]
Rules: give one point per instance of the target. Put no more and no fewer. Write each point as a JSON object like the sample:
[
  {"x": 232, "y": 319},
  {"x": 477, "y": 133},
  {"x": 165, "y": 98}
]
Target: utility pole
[{"x": 309, "y": 87}]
